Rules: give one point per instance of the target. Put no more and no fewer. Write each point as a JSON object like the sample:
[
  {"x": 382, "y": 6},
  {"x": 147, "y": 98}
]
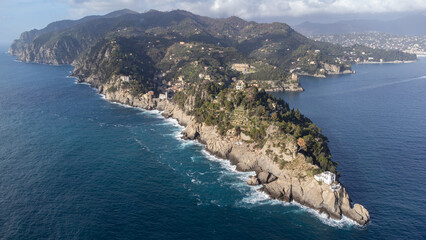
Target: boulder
[
  {"x": 242, "y": 167},
  {"x": 359, "y": 214},
  {"x": 275, "y": 190},
  {"x": 253, "y": 181},
  {"x": 191, "y": 132},
  {"x": 266, "y": 177}
]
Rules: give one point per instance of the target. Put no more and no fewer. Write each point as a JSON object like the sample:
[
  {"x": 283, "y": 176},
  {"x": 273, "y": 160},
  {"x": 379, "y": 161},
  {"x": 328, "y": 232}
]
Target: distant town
[{"x": 408, "y": 44}]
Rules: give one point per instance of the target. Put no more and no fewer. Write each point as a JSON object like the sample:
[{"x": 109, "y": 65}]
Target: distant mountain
[
  {"x": 410, "y": 25},
  {"x": 28, "y": 36},
  {"x": 63, "y": 41}
]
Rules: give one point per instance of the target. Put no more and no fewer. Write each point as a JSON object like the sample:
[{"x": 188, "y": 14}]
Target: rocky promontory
[
  {"x": 291, "y": 183},
  {"x": 213, "y": 81}
]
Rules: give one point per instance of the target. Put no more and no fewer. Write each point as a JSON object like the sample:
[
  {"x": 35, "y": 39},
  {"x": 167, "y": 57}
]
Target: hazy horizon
[{"x": 23, "y": 15}]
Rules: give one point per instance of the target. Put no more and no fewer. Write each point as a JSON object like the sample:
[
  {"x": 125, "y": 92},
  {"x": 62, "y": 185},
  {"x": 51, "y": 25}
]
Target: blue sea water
[{"x": 74, "y": 166}]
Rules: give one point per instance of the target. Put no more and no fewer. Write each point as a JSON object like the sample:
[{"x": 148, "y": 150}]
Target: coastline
[
  {"x": 286, "y": 185},
  {"x": 393, "y": 62},
  {"x": 227, "y": 164}
]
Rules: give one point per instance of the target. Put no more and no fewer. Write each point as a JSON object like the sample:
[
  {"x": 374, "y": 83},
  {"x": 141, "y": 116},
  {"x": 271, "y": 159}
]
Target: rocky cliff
[
  {"x": 291, "y": 183},
  {"x": 332, "y": 69}
]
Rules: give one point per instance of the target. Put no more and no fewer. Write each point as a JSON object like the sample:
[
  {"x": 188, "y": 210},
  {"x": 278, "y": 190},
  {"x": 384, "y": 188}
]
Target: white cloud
[{"x": 249, "y": 8}]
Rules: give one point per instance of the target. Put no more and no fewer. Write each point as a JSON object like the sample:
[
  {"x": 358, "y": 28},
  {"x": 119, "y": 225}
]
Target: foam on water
[
  {"x": 223, "y": 163},
  {"x": 342, "y": 223},
  {"x": 81, "y": 83},
  {"x": 255, "y": 198}
]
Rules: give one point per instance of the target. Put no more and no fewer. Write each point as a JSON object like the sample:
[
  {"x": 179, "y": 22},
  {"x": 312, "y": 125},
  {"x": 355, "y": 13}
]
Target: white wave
[
  {"x": 215, "y": 202},
  {"x": 341, "y": 223},
  {"x": 185, "y": 143},
  {"x": 151, "y": 113},
  {"x": 118, "y": 103},
  {"x": 256, "y": 197},
  {"x": 16, "y": 60},
  {"x": 83, "y": 83},
  {"x": 223, "y": 163},
  {"x": 385, "y": 84},
  {"x": 173, "y": 122},
  {"x": 196, "y": 181}
]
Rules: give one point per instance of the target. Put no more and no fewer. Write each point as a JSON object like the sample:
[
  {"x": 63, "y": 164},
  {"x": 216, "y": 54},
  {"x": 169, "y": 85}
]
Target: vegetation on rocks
[{"x": 251, "y": 112}]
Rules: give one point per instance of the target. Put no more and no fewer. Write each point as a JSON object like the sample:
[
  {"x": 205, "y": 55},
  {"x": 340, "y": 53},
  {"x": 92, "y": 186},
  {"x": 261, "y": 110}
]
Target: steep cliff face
[
  {"x": 63, "y": 51},
  {"x": 291, "y": 183},
  {"x": 62, "y": 41}
]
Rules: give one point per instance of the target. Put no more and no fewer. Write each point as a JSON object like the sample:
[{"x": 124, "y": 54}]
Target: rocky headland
[
  {"x": 291, "y": 183},
  {"x": 137, "y": 59}
]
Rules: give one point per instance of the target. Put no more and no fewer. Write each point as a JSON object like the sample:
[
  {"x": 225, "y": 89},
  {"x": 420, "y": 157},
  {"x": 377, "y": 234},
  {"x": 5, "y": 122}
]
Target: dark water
[{"x": 73, "y": 166}]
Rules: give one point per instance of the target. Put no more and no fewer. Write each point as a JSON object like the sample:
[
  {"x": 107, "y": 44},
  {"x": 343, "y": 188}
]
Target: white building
[
  {"x": 163, "y": 96},
  {"x": 125, "y": 78},
  {"x": 240, "y": 85},
  {"x": 326, "y": 177}
]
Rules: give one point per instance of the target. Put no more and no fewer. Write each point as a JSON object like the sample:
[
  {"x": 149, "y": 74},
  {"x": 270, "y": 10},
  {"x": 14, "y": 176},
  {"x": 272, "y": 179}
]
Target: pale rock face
[
  {"x": 245, "y": 137},
  {"x": 266, "y": 177},
  {"x": 292, "y": 87},
  {"x": 331, "y": 68},
  {"x": 253, "y": 181}
]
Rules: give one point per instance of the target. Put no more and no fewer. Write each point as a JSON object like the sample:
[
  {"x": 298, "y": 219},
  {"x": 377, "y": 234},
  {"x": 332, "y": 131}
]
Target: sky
[{"x": 17, "y": 16}]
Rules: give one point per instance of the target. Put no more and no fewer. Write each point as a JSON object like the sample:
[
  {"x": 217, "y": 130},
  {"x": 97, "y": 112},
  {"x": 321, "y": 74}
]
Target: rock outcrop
[{"x": 333, "y": 69}]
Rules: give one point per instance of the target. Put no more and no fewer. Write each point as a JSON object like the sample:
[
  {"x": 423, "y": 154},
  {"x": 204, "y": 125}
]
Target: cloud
[{"x": 250, "y": 8}]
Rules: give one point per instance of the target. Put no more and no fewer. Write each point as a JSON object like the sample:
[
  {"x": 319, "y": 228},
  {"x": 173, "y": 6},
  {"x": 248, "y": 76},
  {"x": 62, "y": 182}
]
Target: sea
[{"x": 74, "y": 166}]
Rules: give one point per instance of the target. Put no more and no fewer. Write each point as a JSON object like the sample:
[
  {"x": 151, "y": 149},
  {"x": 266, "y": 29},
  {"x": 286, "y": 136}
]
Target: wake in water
[
  {"x": 386, "y": 84},
  {"x": 370, "y": 87}
]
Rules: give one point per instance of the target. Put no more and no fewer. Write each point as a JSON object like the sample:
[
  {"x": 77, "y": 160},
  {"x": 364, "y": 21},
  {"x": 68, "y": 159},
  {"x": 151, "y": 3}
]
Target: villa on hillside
[
  {"x": 125, "y": 78},
  {"x": 326, "y": 177},
  {"x": 240, "y": 85},
  {"x": 243, "y": 67}
]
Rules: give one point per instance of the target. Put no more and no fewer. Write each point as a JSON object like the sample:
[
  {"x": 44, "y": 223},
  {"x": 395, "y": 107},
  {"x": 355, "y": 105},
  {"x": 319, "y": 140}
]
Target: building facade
[{"x": 326, "y": 177}]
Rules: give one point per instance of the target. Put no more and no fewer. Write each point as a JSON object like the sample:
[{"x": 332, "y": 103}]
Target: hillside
[{"x": 181, "y": 45}]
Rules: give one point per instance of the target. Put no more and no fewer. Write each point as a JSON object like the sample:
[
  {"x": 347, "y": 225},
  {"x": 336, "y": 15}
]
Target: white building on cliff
[{"x": 326, "y": 177}]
